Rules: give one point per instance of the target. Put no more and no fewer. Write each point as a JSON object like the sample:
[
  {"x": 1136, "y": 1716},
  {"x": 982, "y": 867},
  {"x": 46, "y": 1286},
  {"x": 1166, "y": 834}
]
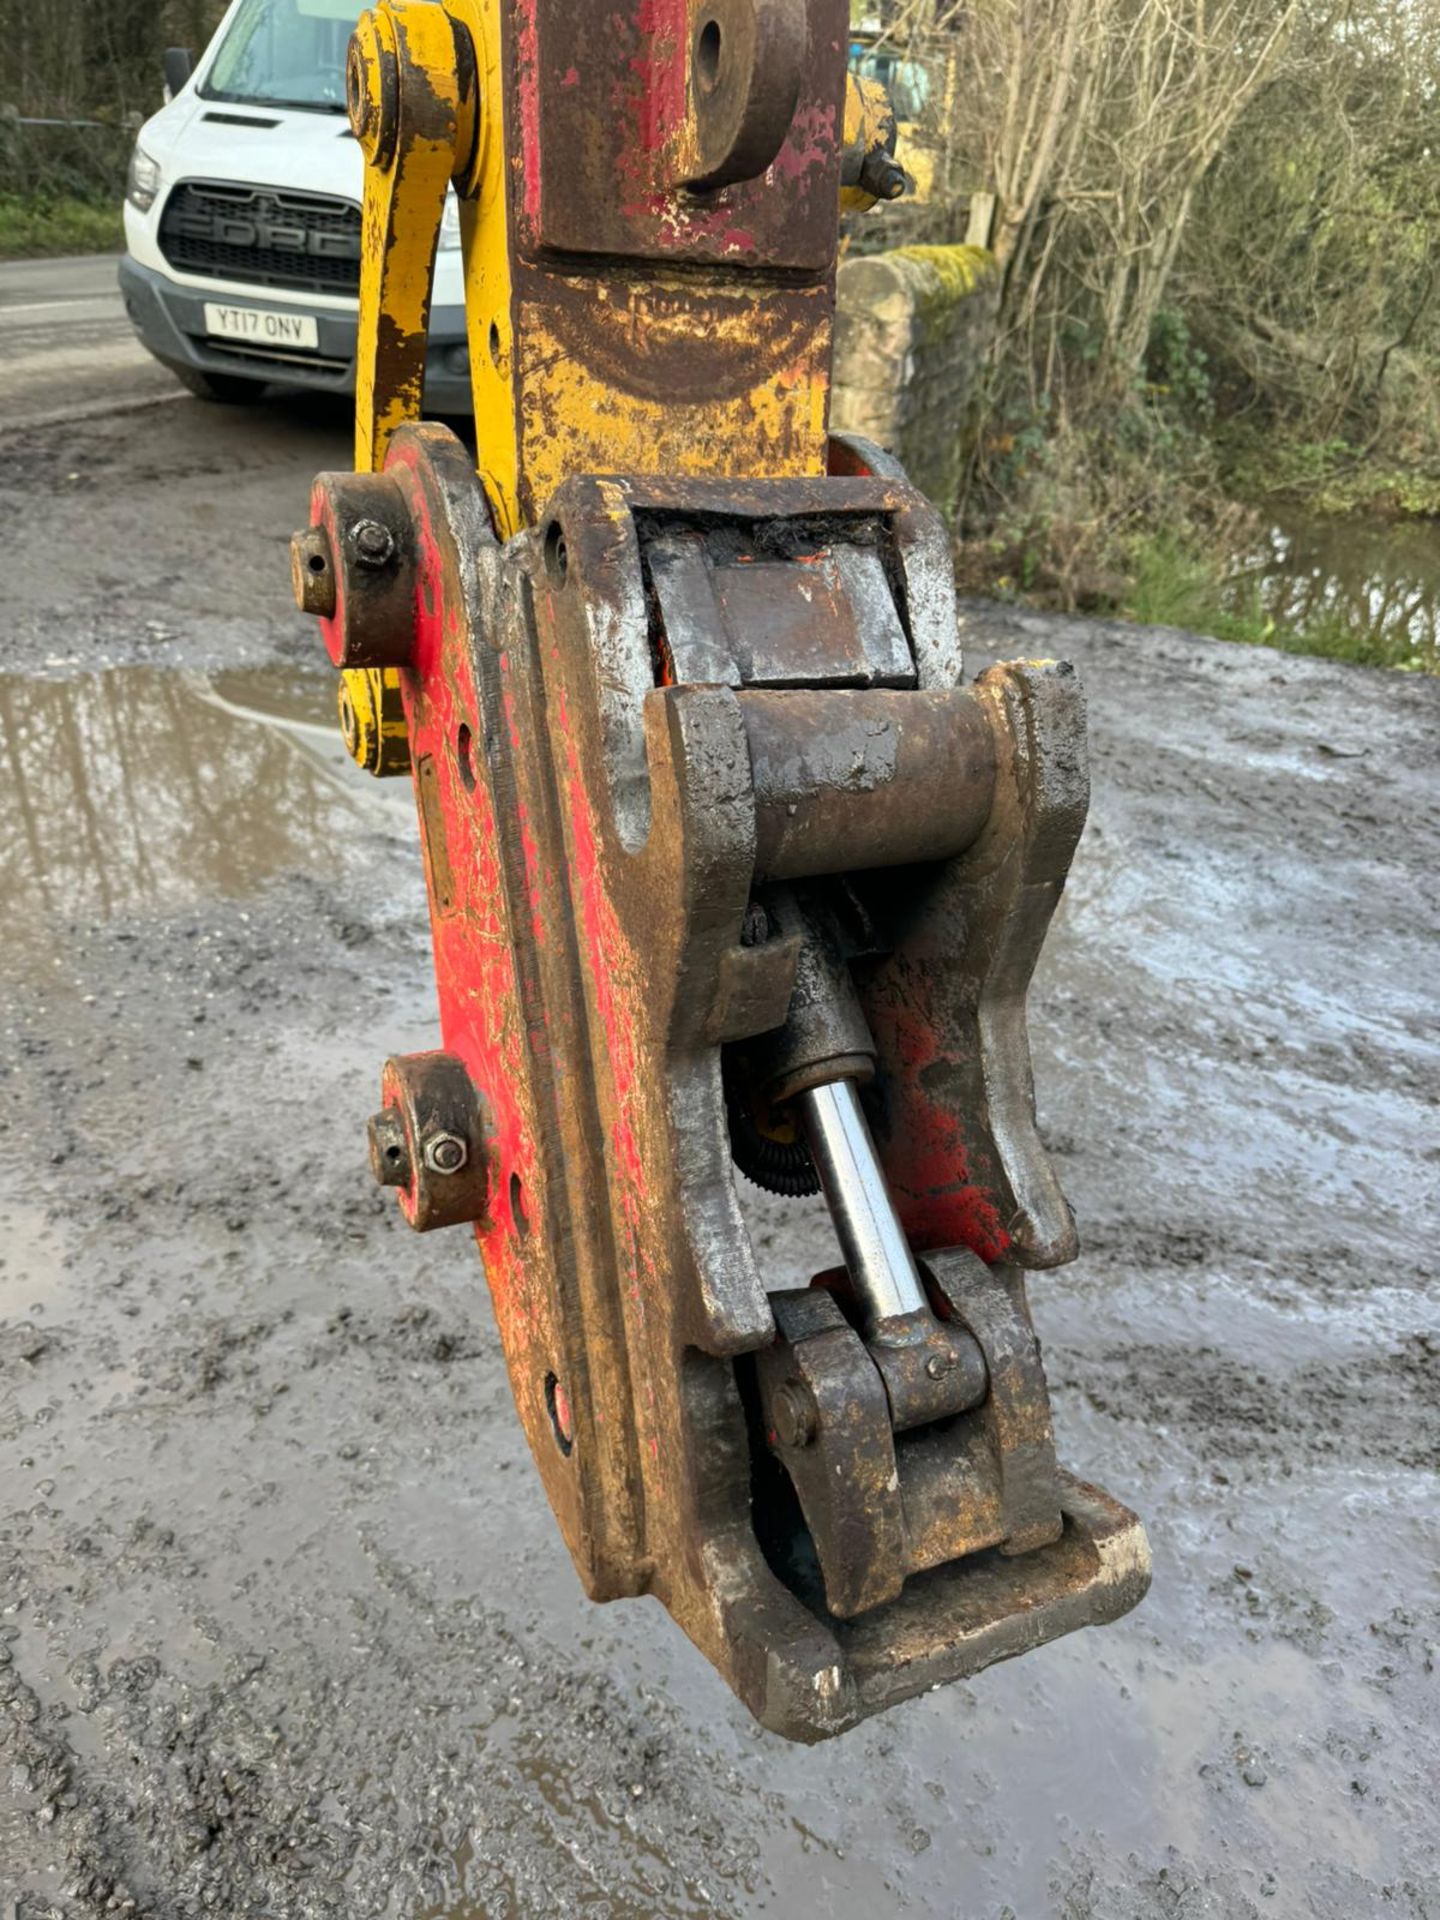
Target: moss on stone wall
[
  {"x": 913, "y": 328},
  {"x": 959, "y": 271}
]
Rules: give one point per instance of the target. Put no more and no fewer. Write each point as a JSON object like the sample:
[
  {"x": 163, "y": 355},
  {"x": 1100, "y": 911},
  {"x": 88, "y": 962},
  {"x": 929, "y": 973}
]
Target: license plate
[{"x": 263, "y": 326}]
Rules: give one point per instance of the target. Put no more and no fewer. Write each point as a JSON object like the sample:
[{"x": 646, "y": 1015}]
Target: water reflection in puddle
[
  {"x": 1372, "y": 577},
  {"x": 139, "y": 788}
]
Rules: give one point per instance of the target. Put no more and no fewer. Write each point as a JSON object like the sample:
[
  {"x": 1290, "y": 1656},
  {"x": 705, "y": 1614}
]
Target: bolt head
[
  {"x": 446, "y": 1153},
  {"x": 755, "y": 927},
  {"x": 795, "y": 1416},
  {"x": 374, "y": 544},
  {"x": 882, "y": 175}
]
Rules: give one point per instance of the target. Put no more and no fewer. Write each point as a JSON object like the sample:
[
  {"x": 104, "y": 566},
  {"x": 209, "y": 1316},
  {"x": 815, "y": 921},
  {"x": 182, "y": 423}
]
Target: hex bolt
[
  {"x": 389, "y": 1148},
  {"x": 881, "y": 175},
  {"x": 796, "y": 1417},
  {"x": 755, "y": 927},
  {"x": 445, "y": 1153},
  {"x": 312, "y": 572},
  {"x": 374, "y": 544}
]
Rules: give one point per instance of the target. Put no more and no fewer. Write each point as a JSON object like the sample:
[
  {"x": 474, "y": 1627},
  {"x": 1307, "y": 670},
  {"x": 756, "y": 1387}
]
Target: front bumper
[{"x": 170, "y": 320}]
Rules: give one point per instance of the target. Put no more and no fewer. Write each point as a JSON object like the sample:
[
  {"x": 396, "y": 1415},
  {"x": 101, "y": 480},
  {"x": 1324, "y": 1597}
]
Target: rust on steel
[{"x": 729, "y": 866}]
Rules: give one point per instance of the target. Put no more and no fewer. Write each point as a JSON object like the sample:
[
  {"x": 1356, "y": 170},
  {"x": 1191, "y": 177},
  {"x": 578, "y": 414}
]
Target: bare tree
[{"x": 1093, "y": 123}]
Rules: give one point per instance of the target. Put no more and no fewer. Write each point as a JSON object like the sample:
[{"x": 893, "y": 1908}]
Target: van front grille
[{"x": 266, "y": 236}]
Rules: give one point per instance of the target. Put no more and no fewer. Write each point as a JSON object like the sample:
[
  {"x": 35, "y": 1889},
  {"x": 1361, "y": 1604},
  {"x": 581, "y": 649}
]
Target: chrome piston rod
[{"x": 877, "y": 1254}]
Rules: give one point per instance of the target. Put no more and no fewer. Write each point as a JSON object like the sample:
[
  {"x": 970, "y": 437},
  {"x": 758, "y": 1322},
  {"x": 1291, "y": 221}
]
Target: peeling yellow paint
[
  {"x": 566, "y": 377},
  {"x": 410, "y": 135},
  {"x": 372, "y": 720}
]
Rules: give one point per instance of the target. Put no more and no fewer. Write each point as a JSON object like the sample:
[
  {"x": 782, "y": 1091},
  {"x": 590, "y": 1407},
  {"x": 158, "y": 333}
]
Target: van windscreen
[{"x": 285, "y": 53}]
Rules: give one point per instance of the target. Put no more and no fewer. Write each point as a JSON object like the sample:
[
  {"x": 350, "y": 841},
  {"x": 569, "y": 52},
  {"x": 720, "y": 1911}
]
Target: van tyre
[{"x": 224, "y": 389}]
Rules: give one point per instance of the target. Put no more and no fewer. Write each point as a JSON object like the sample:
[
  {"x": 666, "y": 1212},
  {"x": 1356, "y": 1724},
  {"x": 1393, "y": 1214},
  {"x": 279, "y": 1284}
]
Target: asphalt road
[
  {"x": 285, "y": 1625},
  {"x": 66, "y": 346}
]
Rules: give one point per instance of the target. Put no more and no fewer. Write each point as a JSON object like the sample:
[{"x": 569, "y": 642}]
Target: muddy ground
[{"x": 287, "y": 1630}]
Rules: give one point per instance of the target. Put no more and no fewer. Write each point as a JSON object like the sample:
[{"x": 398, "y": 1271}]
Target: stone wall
[{"x": 911, "y": 332}]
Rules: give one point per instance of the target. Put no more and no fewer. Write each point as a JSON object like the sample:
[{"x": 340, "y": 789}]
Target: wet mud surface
[{"x": 285, "y": 1628}]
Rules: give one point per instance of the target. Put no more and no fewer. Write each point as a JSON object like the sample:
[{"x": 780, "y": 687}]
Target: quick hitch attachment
[{"x": 731, "y": 872}]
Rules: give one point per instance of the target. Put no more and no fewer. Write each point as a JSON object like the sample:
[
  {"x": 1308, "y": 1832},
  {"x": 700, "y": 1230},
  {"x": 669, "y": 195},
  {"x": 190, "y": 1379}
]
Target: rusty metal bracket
[
  {"x": 828, "y": 1420},
  {"x": 428, "y": 1141},
  {"x": 679, "y": 683},
  {"x": 880, "y": 1503},
  {"x": 592, "y": 834}
]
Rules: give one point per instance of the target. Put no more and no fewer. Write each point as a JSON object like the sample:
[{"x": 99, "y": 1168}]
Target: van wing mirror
[{"x": 179, "y": 65}]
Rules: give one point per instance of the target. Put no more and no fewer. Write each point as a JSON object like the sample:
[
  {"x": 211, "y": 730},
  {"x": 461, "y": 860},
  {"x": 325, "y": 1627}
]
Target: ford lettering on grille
[{"x": 268, "y": 239}]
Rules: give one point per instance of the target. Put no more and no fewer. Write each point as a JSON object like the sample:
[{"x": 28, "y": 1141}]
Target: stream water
[{"x": 1318, "y": 576}]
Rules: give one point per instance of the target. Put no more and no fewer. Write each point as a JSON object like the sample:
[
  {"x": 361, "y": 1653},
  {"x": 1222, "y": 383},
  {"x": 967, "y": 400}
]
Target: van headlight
[
  {"x": 450, "y": 223},
  {"x": 143, "y": 181}
]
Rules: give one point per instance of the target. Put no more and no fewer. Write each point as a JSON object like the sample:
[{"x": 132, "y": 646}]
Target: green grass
[
  {"x": 1174, "y": 584},
  {"x": 32, "y": 227}
]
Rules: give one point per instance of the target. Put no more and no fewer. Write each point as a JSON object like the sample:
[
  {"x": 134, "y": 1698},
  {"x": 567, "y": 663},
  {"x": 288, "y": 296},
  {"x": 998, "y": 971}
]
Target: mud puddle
[
  {"x": 285, "y": 1625},
  {"x": 141, "y": 789}
]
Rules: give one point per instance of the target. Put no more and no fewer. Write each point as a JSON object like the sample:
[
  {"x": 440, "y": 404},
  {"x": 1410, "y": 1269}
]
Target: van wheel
[{"x": 225, "y": 389}]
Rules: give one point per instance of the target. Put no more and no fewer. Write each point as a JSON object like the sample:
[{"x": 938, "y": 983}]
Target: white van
[{"x": 242, "y": 216}]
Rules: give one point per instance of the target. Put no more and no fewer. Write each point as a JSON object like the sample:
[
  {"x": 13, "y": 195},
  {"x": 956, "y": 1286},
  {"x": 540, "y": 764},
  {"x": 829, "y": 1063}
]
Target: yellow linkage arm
[
  {"x": 411, "y": 87},
  {"x": 410, "y": 80}
]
